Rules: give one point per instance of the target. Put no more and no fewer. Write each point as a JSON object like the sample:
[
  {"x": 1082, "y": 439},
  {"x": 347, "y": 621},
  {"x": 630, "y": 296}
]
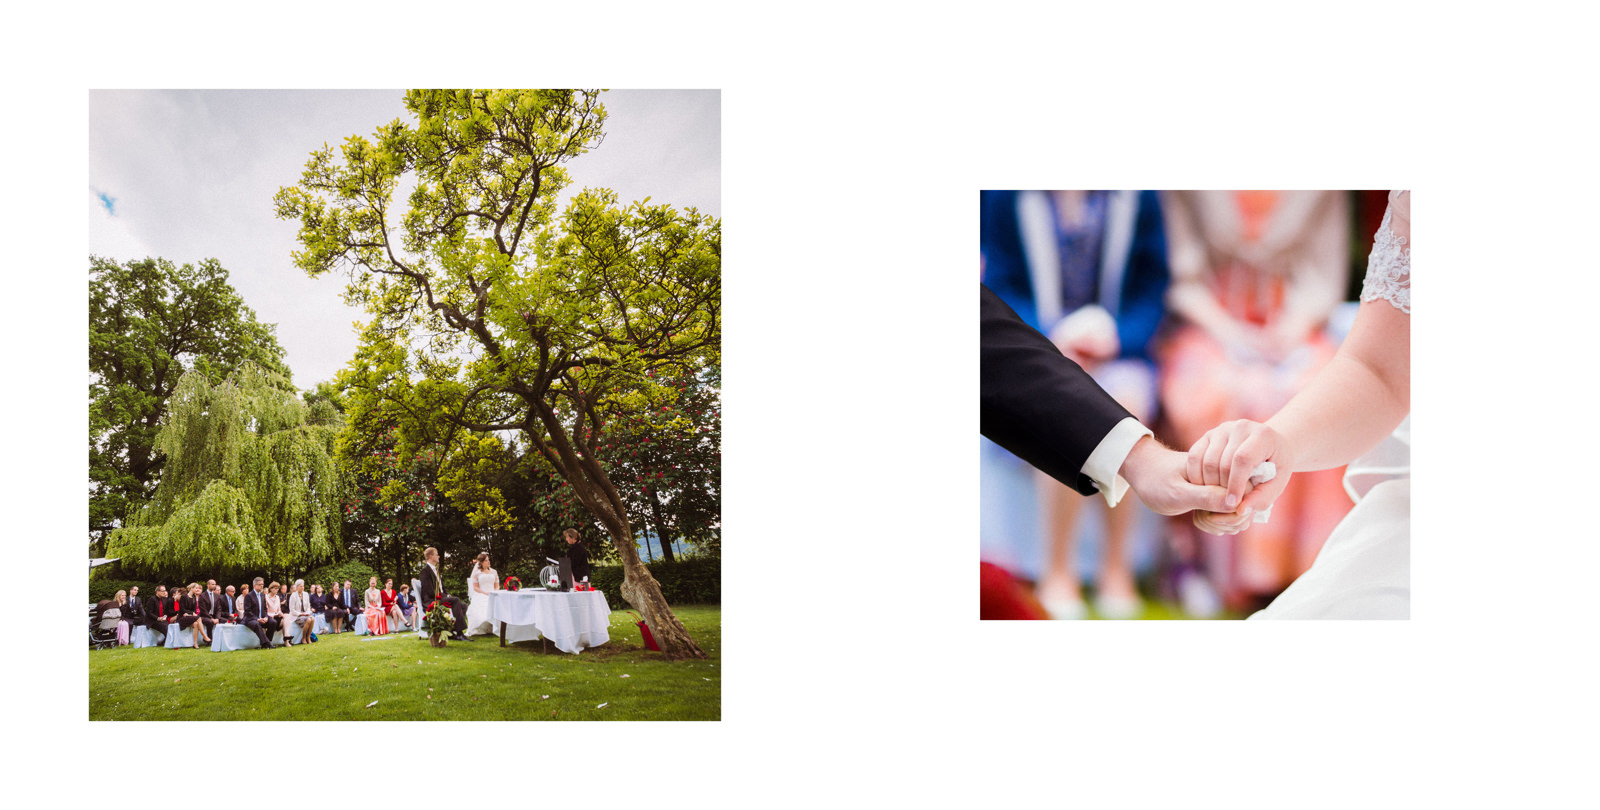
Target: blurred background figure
[
  {"x": 1255, "y": 276},
  {"x": 1089, "y": 270}
]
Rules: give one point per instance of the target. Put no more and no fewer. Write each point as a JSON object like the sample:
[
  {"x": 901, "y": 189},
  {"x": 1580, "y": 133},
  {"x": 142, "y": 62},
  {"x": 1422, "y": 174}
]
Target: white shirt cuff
[{"x": 1108, "y": 456}]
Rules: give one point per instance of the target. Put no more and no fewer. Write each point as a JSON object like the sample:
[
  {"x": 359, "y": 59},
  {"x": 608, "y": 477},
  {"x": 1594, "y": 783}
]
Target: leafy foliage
[
  {"x": 357, "y": 572},
  {"x": 106, "y": 588},
  {"x": 248, "y": 484},
  {"x": 150, "y": 323}
]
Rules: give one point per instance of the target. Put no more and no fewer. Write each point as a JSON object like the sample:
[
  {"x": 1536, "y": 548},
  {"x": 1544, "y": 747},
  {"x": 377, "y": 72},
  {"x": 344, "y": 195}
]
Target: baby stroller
[{"x": 103, "y": 633}]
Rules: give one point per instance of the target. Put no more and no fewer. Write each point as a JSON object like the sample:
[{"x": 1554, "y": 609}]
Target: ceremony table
[
  {"x": 571, "y": 620},
  {"x": 230, "y": 637}
]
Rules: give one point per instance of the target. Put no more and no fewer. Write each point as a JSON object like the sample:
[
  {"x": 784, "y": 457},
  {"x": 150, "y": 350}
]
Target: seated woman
[
  {"x": 406, "y": 605},
  {"x": 377, "y": 625},
  {"x": 319, "y": 603},
  {"x": 108, "y": 615},
  {"x": 338, "y": 612},
  {"x": 275, "y": 606},
  {"x": 299, "y": 613},
  {"x": 390, "y": 609},
  {"x": 159, "y": 612},
  {"x": 189, "y": 614}
]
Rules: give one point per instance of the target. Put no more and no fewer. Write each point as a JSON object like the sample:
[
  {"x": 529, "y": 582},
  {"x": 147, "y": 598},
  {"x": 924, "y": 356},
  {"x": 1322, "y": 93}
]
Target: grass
[
  {"x": 339, "y": 676},
  {"x": 1159, "y": 610}
]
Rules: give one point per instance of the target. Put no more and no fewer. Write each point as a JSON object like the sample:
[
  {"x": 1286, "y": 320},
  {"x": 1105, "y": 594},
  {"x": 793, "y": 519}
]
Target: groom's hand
[{"x": 1156, "y": 475}]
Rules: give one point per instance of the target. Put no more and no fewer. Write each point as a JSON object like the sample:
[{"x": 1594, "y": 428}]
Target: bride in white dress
[
  {"x": 480, "y": 584},
  {"x": 1356, "y": 412}
]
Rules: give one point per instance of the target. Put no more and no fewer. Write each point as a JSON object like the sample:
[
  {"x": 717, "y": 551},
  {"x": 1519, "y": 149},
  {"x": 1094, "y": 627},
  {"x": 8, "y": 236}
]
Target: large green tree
[
  {"x": 250, "y": 483},
  {"x": 150, "y": 322},
  {"x": 548, "y": 326}
]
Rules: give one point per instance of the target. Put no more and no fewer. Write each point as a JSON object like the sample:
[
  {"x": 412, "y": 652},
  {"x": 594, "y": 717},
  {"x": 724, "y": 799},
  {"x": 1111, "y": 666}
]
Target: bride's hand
[{"x": 1226, "y": 456}]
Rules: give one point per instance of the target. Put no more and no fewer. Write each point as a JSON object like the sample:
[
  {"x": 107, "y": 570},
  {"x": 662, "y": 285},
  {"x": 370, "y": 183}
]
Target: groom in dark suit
[
  {"x": 433, "y": 589},
  {"x": 1048, "y": 412}
]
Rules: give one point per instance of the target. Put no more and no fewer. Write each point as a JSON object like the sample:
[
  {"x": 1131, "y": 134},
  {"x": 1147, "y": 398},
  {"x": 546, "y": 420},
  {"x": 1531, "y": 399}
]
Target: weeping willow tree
[{"x": 250, "y": 482}]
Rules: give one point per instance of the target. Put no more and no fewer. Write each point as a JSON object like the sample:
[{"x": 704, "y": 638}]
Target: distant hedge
[
  {"x": 357, "y": 572},
  {"x": 106, "y": 588},
  {"x": 692, "y": 581}
]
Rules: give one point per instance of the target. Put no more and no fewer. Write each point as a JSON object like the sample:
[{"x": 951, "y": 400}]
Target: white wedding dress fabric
[
  {"x": 1364, "y": 568},
  {"x": 478, "y": 623}
]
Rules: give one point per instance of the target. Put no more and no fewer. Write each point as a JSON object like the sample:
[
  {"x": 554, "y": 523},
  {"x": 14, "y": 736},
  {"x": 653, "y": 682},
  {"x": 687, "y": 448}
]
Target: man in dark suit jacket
[
  {"x": 1047, "y": 411},
  {"x": 211, "y": 610},
  {"x": 433, "y": 590},
  {"x": 154, "y": 611},
  {"x": 350, "y": 600},
  {"x": 133, "y": 612},
  {"x": 255, "y": 614}
]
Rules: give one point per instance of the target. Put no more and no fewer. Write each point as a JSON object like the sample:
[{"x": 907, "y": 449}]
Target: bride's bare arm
[
  {"x": 1357, "y": 400},
  {"x": 1365, "y": 391}
]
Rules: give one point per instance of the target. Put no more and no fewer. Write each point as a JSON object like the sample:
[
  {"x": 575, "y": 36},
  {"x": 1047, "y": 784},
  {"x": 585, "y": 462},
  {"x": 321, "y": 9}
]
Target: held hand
[
  {"x": 1226, "y": 456},
  {"x": 1157, "y": 477}
]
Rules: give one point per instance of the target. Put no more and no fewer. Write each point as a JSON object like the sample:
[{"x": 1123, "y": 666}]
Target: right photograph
[{"x": 1195, "y": 404}]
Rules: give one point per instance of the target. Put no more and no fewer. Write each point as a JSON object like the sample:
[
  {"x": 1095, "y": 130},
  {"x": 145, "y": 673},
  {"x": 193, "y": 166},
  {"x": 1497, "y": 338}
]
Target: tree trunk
[
  {"x": 661, "y": 527},
  {"x": 641, "y": 590}
]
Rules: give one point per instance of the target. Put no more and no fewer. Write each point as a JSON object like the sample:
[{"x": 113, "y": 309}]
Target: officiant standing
[{"x": 578, "y": 555}]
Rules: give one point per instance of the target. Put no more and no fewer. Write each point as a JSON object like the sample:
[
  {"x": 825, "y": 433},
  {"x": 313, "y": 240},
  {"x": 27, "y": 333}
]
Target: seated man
[
  {"x": 133, "y": 611},
  {"x": 255, "y": 614},
  {"x": 212, "y": 611},
  {"x": 158, "y": 611}
]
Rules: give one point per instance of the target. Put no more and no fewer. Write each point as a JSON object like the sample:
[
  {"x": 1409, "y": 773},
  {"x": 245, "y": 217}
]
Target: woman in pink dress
[{"x": 377, "y": 623}]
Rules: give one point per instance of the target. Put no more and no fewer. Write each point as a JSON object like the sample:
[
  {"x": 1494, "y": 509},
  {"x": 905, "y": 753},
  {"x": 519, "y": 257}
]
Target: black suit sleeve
[{"x": 1035, "y": 402}]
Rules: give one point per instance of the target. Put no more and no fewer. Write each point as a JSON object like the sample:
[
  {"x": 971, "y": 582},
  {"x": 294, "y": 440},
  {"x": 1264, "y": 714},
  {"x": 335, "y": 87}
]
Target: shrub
[
  {"x": 357, "y": 572},
  {"x": 691, "y": 581},
  {"x": 107, "y": 588}
]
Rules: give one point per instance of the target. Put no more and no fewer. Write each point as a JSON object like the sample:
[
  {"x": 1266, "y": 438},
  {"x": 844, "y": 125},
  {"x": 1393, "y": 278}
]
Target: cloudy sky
[{"x": 189, "y": 175}]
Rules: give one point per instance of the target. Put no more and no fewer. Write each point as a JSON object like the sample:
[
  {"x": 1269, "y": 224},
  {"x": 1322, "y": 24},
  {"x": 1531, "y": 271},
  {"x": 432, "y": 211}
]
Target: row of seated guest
[{"x": 198, "y": 609}]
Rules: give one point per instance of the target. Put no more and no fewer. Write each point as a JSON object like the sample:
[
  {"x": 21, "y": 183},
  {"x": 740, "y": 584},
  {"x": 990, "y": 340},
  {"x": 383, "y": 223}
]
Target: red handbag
[{"x": 644, "y": 630}]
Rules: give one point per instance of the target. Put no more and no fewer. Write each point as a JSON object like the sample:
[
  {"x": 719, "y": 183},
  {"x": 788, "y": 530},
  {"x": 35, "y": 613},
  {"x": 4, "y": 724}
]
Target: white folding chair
[{"x": 421, "y": 609}]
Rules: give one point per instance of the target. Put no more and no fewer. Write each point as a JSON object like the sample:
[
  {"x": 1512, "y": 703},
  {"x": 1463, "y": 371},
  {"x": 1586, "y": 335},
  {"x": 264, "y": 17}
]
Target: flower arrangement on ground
[{"x": 438, "y": 622}]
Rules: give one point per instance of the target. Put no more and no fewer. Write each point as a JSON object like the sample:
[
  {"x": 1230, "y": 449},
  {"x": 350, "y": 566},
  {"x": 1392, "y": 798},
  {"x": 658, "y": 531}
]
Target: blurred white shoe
[
  {"x": 1198, "y": 598},
  {"x": 1065, "y": 608},
  {"x": 1119, "y": 607}
]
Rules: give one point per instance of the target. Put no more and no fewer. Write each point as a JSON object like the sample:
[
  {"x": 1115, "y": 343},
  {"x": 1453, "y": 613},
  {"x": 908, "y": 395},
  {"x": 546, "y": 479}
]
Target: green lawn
[
  {"x": 1159, "y": 610},
  {"x": 337, "y": 677}
]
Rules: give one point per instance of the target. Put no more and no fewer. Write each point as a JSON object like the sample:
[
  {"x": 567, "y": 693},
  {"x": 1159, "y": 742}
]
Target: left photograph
[{"x": 416, "y": 393}]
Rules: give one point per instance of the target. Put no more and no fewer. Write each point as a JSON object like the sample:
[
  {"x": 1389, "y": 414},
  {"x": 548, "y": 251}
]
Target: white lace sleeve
[{"x": 1389, "y": 268}]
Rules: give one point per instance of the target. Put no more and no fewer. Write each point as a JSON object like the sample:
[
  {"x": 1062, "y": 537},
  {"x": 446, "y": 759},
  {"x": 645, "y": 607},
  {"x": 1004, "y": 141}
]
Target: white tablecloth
[
  {"x": 177, "y": 637},
  {"x": 145, "y": 637},
  {"x": 572, "y": 620},
  {"x": 230, "y": 637}
]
